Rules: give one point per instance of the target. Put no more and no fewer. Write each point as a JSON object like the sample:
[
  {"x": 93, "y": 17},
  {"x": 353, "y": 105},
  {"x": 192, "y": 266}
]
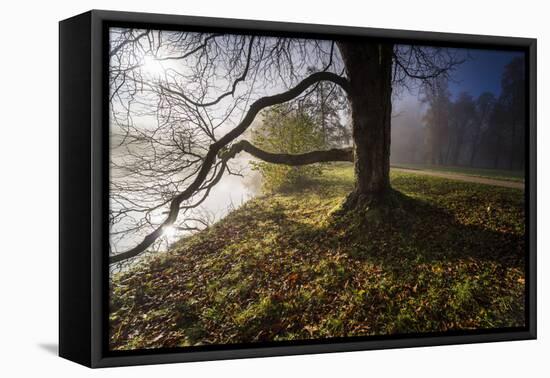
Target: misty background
[{"x": 475, "y": 119}]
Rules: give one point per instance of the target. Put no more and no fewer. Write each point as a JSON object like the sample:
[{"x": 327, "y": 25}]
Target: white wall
[{"x": 28, "y": 158}]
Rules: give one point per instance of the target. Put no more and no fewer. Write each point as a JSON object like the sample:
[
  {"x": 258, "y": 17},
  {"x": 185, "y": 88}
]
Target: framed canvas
[{"x": 233, "y": 188}]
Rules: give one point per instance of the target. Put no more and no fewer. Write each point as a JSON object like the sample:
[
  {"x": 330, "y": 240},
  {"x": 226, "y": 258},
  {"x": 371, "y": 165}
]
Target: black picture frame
[{"x": 83, "y": 181}]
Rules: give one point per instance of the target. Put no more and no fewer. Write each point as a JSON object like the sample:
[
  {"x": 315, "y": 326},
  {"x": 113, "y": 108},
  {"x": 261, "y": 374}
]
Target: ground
[{"x": 449, "y": 255}]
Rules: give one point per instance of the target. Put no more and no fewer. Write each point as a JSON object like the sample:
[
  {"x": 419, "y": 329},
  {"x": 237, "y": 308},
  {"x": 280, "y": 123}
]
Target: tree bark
[{"x": 368, "y": 67}]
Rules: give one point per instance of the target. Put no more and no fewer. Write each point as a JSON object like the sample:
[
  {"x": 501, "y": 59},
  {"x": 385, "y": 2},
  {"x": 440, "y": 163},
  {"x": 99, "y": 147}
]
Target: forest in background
[{"x": 487, "y": 131}]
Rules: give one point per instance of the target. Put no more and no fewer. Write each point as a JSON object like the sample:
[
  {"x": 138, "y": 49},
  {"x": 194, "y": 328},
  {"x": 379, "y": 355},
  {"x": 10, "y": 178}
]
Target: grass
[
  {"x": 448, "y": 256},
  {"x": 499, "y": 174}
]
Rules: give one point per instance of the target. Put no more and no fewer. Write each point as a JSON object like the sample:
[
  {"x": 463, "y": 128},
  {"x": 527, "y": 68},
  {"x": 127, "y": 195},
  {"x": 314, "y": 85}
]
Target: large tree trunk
[{"x": 368, "y": 66}]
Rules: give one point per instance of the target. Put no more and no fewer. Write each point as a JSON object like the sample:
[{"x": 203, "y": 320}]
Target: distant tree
[
  {"x": 496, "y": 135},
  {"x": 504, "y": 139},
  {"x": 462, "y": 117},
  {"x": 513, "y": 100},
  {"x": 286, "y": 130},
  {"x": 490, "y": 130},
  {"x": 438, "y": 98},
  {"x": 484, "y": 106},
  {"x": 325, "y": 105}
]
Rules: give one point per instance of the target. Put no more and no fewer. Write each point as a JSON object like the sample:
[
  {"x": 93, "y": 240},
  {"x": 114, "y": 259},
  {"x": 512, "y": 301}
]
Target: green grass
[
  {"x": 448, "y": 256},
  {"x": 499, "y": 174}
]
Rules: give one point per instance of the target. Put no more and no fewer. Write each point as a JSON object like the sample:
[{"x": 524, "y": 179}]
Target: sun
[
  {"x": 169, "y": 231},
  {"x": 152, "y": 66}
]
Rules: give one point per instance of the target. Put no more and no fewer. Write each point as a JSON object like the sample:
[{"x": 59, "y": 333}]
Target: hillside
[{"x": 448, "y": 256}]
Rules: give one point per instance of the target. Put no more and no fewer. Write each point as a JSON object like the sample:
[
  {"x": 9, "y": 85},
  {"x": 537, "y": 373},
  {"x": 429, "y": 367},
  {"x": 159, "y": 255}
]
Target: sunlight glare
[
  {"x": 152, "y": 66},
  {"x": 169, "y": 231}
]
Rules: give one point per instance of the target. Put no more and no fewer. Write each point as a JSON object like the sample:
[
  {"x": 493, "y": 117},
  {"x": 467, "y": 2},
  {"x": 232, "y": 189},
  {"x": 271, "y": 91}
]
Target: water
[{"x": 228, "y": 194}]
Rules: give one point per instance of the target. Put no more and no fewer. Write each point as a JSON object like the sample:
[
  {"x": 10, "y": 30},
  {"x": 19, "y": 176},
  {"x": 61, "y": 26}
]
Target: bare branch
[
  {"x": 216, "y": 147},
  {"x": 334, "y": 154}
]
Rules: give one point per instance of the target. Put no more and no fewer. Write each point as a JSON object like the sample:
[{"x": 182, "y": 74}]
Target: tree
[
  {"x": 325, "y": 105},
  {"x": 496, "y": 134},
  {"x": 484, "y": 106},
  {"x": 438, "y": 98},
  {"x": 462, "y": 119},
  {"x": 201, "y": 91},
  {"x": 513, "y": 98},
  {"x": 504, "y": 136},
  {"x": 290, "y": 131}
]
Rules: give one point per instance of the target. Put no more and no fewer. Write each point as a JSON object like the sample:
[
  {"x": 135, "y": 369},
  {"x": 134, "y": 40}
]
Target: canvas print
[{"x": 274, "y": 189}]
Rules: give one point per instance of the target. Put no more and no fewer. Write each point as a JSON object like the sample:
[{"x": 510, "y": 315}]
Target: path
[{"x": 467, "y": 178}]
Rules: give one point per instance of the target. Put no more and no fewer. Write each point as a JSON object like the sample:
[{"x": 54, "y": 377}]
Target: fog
[
  {"x": 468, "y": 120},
  {"x": 231, "y": 192},
  {"x": 407, "y": 131}
]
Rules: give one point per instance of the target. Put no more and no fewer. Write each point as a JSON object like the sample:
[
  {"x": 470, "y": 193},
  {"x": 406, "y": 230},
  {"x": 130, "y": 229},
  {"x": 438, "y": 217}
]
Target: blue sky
[{"x": 482, "y": 72}]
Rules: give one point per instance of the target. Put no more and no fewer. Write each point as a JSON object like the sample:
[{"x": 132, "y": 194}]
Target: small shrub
[{"x": 290, "y": 131}]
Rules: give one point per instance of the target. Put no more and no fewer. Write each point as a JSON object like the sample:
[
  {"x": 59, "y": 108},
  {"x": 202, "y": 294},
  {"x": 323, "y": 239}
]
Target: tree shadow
[
  {"x": 414, "y": 229},
  {"x": 291, "y": 265}
]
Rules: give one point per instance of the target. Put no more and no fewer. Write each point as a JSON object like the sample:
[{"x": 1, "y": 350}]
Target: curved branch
[
  {"x": 341, "y": 81},
  {"x": 335, "y": 154},
  {"x": 216, "y": 147}
]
